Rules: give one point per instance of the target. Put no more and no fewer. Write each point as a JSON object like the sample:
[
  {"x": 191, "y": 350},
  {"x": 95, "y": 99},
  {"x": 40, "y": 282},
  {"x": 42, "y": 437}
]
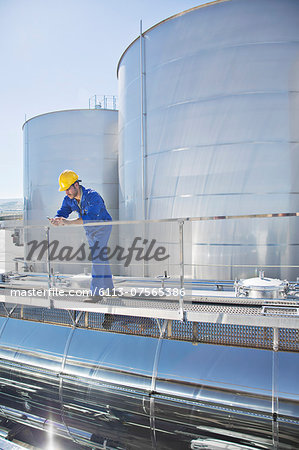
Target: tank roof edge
[
  {"x": 166, "y": 20},
  {"x": 67, "y": 110}
]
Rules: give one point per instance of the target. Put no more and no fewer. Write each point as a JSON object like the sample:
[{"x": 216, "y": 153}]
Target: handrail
[{"x": 171, "y": 220}]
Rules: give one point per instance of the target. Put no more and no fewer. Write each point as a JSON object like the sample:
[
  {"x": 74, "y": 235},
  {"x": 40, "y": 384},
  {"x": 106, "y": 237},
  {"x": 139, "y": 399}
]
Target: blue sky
[{"x": 56, "y": 54}]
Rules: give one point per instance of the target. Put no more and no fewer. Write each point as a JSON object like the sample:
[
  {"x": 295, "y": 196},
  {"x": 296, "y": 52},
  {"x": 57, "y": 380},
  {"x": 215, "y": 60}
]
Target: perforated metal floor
[{"x": 195, "y": 332}]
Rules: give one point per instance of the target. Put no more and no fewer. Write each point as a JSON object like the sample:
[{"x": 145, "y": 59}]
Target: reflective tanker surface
[{"x": 137, "y": 392}]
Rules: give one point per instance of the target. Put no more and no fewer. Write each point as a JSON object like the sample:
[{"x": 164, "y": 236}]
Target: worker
[{"x": 91, "y": 207}]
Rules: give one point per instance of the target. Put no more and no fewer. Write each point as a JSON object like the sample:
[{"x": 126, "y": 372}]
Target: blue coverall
[{"x": 92, "y": 209}]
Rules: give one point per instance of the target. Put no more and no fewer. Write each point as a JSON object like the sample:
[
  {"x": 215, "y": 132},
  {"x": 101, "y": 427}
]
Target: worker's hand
[{"x": 56, "y": 221}]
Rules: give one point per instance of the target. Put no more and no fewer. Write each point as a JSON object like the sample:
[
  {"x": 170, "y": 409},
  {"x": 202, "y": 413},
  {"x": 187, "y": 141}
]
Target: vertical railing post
[
  {"x": 49, "y": 264},
  {"x": 182, "y": 271}
]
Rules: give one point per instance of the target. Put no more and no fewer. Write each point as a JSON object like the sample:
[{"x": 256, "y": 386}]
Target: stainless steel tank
[
  {"x": 82, "y": 140},
  {"x": 209, "y": 102},
  {"x": 110, "y": 390}
]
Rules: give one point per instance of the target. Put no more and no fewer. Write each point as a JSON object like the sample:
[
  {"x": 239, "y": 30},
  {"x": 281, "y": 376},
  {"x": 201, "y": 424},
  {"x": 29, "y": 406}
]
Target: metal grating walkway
[{"x": 252, "y": 336}]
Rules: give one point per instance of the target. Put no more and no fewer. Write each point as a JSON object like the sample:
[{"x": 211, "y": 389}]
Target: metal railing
[
  {"x": 203, "y": 309},
  {"x": 103, "y": 102},
  {"x": 182, "y": 243}
]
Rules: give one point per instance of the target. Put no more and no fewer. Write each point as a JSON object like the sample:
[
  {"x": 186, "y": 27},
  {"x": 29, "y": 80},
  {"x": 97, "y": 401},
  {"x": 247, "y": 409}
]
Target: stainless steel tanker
[
  {"x": 121, "y": 391},
  {"x": 82, "y": 140},
  {"x": 208, "y": 114}
]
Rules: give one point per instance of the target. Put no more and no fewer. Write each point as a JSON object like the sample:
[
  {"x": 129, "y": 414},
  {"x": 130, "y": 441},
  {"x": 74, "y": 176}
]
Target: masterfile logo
[{"x": 140, "y": 250}]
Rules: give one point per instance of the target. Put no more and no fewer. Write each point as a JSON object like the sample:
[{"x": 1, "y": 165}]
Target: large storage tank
[
  {"x": 82, "y": 140},
  {"x": 209, "y": 111}
]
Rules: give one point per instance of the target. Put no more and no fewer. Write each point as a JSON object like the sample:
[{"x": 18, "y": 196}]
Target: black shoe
[
  {"x": 108, "y": 321},
  {"x": 93, "y": 299}
]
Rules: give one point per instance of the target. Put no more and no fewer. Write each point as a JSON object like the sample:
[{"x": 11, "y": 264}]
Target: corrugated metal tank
[
  {"x": 82, "y": 140},
  {"x": 220, "y": 102}
]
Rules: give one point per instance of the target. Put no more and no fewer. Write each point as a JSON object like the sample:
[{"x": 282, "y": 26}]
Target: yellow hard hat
[{"x": 66, "y": 179}]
